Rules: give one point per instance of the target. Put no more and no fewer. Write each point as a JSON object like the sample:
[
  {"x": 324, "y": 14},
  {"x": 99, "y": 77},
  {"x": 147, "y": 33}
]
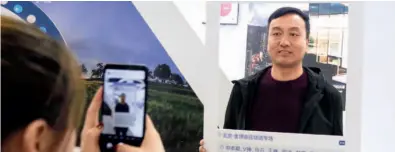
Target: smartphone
[{"x": 124, "y": 106}]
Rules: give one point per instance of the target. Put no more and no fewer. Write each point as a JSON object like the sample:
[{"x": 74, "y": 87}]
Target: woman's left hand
[{"x": 92, "y": 128}]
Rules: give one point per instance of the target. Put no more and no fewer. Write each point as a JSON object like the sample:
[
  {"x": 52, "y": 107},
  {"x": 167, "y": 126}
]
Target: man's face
[
  {"x": 122, "y": 99},
  {"x": 287, "y": 41}
]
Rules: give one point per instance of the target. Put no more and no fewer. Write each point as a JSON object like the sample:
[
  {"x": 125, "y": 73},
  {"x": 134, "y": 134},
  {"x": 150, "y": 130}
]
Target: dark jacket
[
  {"x": 322, "y": 111},
  {"x": 121, "y": 107}
]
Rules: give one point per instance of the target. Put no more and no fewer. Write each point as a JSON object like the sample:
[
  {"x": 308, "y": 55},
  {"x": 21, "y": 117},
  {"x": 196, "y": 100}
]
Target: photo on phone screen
[{"x": 123, "y": 108}]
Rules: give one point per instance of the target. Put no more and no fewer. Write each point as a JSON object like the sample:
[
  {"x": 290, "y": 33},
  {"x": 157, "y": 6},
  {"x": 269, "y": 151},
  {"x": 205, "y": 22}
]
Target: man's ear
[
  {"x": 36, "y": 136},
  {"x": 307, "y": 42}
]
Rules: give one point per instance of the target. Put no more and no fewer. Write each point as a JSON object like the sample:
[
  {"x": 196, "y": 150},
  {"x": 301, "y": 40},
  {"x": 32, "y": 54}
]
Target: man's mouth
[{"x": 284, "y": 52}]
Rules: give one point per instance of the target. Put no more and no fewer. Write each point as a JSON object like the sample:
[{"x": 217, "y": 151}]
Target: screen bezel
[{"x": 135, "y": 141}]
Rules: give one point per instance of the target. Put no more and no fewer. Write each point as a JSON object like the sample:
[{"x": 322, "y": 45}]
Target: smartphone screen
[{"x": 124, "y": 105}]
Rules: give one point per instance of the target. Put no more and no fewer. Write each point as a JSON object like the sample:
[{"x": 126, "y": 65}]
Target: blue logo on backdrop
[
  {"x": 342, "y": 142},
  {"x": 26, "y": 10}
]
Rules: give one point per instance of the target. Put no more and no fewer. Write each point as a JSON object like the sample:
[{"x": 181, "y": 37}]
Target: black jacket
[
  {"x": 122, "y": 107},
  {"x": 322, "y": 111}
]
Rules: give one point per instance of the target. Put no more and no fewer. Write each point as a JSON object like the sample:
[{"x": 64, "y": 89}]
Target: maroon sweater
[{"x": 278, "y": 104}]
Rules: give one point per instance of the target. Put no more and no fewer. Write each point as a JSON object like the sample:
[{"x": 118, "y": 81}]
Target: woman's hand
[
  {"x": 92, "y": 128},
  {"x": 151, "y": 142},
  {"x": 201, "y": 148}
]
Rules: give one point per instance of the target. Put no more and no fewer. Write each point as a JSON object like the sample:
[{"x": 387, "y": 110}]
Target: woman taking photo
[{"x": 42, "y": 96}]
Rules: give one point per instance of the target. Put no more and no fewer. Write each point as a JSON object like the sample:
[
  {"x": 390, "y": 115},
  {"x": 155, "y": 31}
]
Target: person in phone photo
[
  {"x": 43, "y": 76},
  {"x": 121, "y": 107}
]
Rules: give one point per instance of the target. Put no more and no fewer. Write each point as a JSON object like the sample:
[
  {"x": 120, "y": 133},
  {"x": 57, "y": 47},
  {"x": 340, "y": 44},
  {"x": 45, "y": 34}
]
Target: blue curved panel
[{"x": 25, "y": 8}]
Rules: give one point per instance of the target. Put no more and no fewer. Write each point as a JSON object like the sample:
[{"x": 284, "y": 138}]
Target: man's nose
[{"x": 284, "y": 42}]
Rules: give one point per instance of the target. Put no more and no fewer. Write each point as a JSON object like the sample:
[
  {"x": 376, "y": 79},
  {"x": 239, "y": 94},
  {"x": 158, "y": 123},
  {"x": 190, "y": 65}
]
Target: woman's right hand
[
  {"x": 201, "y": 148},
  {"x": 151, "y": 142},
  {"x": 92, "y": 129}
]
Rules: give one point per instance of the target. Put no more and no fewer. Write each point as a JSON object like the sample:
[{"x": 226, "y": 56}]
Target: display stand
[
  {"x": 370, "y": 96},
  {"x": 237, "y": 140},
  {"x": 369, "y": 80}
]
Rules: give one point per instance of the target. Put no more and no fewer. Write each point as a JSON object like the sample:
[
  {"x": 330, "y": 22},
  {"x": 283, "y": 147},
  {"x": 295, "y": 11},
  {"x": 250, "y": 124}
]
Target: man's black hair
[{"x": 291, "y": 10}]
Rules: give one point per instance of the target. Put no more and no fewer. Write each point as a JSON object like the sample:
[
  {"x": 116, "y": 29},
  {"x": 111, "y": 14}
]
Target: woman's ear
[{"x": 36, "y": 136}]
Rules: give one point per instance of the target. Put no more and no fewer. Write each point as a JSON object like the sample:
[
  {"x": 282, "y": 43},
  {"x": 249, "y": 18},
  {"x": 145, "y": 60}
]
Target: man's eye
[
  {"x": 294, "y": 34},
  {"x": 276, "y": 34}
]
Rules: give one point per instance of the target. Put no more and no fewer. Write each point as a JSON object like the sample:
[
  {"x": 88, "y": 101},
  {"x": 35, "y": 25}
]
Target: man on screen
[
  {"x": 286, "y": 97},
  {"x": 121, "y": 106}
]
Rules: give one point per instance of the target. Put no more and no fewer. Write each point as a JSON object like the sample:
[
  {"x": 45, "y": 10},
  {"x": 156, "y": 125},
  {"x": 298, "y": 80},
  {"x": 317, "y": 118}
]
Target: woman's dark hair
[{"x": 40, "y": 80}]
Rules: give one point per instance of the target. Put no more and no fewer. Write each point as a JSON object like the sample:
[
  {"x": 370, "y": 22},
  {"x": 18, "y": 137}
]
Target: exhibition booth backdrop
[
  {"x": 115, "y": 32},
  {"x": 368, "y": 93}
]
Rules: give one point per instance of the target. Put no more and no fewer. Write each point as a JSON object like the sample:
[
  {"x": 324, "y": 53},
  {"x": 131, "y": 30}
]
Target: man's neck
[{"x": 286, "y": 74}]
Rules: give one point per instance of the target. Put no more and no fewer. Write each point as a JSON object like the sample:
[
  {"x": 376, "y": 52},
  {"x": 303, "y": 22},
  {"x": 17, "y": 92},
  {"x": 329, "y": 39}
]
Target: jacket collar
[
  {"x": 315, "y": 77},
  {"x": 314, "y": 95}
]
